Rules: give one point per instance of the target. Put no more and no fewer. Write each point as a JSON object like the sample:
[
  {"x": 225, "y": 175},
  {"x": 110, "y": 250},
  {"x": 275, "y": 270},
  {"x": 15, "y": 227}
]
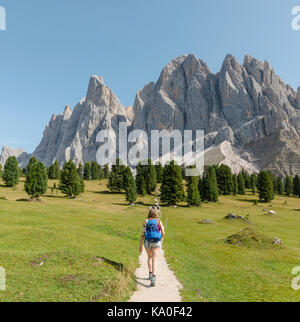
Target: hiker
[{"x": 153, "y": 234}]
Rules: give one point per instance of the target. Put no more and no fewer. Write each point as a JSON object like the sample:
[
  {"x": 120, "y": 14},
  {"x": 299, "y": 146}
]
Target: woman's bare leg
[
  {"x": 149, "y": 253},
  {"x": 155, "y": 255}
]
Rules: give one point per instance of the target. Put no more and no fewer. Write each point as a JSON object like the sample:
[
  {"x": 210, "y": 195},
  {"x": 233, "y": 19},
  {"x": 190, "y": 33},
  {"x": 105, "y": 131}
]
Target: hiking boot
[
  {"x": 153, "y": 280},
  {"x": 150, "y": 276}
]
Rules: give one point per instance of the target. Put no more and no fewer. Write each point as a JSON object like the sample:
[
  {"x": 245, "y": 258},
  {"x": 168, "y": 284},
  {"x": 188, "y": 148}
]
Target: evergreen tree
[
  {"x": 172, "y": 190},
  {"x": 246, "y": 176},
  {"x": 265, "y": 186},
  {"x": 241, "y": 184},
  {"x": 127, "y": 174},
  {"x": 235, "y": 184},
  {"x": 150, "y": 177},
  {"x": 288, "y": 185},
  {"x": 131, "y": 193},
  {"x": 193, "y": 195},
  {"x": 296, "y": 186},
  {"x": 87, "y": 171},
  {"x": 279, "y": 186},
  {"x": 253, "y": 182},
  {"x": 11, "y": 172},
  {"x": 159, "y": 172},
  {"x": 106, "y": 171},
  {"x": 225, "y": 182},
  {"x": 94, "y": 171},
  {"x": 140, "y": 181},
  {"x": 36, "y": 183},
  {"x": 70, "y": 183},
  {"x": 116, "y": 178},
  {"x": 208, "y": 187},
  {"x": 80, "y": 170},
  {"x": 1, "y": 171},
  {"x": 54, "y": 171}
]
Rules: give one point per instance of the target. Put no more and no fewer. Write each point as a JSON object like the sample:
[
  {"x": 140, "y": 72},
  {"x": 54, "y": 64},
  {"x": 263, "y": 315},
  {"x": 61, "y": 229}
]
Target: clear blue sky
[{"x": 51, "y": 48}]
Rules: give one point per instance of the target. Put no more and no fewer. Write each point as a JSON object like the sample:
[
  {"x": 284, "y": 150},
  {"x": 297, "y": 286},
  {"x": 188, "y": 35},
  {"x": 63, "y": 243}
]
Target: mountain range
[{"x": 250, "y": 117}]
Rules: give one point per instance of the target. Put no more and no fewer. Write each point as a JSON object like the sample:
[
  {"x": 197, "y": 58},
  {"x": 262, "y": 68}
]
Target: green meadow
[{"x": 87, "y": 249}]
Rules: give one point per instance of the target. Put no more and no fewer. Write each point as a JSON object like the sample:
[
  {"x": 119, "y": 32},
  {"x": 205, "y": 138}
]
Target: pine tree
[
  {"x": 241, "y": 184},
  {"x": 265, "y": 186},
  {"x": 54, "y": 171},
  {"x": 80, "y": 170},
  {"x": 150, "y": 177},
  {"x": 279, "y": 186},
  {"x": 225, "y": 182},
  {"x": 193, "y": 195},
  {"x": 235, "y": 184},
  {"x": 94, "y": 171},
  {"x": 1, "y": 171},
  {"x": 253, "y": 182},
  {"x": 296, "y": 186},
  {"x": 127, "y": 174},
  {"x": 131, "y": 193},
  {"x": 172, "y": 190},
  {"x": 116, "y": 177},
  {"x": 140, "y": 181},
  {"x": 87, "y": 171},
  {"x": 36, "y": 183},
  {"x": 159, "y": 172},
  {"x": 288, "y": 185},
  {"x": 11, "y": 172},
  {"x": 106, "y": 171},
  {"x": 70, "y": 183},
  {"x": 246, "y": 177},
  {"x": 208, "y": 187}
]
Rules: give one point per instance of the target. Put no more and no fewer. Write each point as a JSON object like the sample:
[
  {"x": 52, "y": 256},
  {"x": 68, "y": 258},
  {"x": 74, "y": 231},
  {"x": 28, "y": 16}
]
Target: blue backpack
[{"x": 153, "y": 234}]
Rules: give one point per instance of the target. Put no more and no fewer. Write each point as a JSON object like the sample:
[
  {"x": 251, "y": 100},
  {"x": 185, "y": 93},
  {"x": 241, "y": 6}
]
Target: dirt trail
[{"x": 167, "y": 286}]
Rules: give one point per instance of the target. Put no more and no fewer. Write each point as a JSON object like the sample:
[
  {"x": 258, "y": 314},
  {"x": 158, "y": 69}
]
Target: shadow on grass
[
  {"x": 249, "y": 200},
  {"x": 56, "y": 197},
  {"x": 22, "y": 200},
  {"x": 297, "y": 209},
  {"x": 108, "y": 193},
  {"x": 118, "y": 266}
]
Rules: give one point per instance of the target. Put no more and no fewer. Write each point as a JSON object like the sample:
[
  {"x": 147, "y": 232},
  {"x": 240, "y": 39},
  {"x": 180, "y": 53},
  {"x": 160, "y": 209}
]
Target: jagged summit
[{"x": 246, "y": 105}]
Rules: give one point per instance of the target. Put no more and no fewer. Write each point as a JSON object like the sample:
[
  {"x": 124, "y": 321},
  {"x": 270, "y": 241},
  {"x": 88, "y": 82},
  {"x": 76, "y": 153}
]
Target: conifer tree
[
  {"x": 131, "y": 193},
  {"x": 11, "y": 172},
  {"x": 1, "y": 171},
  {"x": 36, "y": 183},
  {"x": 225, "y": 182},
  {"x": 279, "y": 186},
  {"x": 241, "y": 184},
  {"x": 70, "y": 183},
  {"x": 288, "y": 185},
  {"x": 94, "y": 171},
  {"x": 80, "y": 170},
  {"x": 246, "y": 179},
  {"x": 140, "y": 180},
  {"x": 265, "y": 186},
  {"x": 209, "y": 186},
  {"x": 127, "y": 174},
  {"x": 159, "y": 172},
  {"x": 172, "y": 190},
  {"x": 235, "y": 184},
  {"x": 87, "y": 171},
  {"x": 106, "y": 171},
  {"x": 116, "y": 177},
  {"x": 253, "y": 182},
  {"x": 150, "y": 177},
  {"x": 296, "y": 186},
  {"x": 193, "y": 195}
]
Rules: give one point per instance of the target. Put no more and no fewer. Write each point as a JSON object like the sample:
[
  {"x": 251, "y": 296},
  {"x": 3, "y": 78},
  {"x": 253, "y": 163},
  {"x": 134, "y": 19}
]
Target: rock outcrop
[
  {"x": 251, "y": 118},
  {"x": 7, "y": 152}
]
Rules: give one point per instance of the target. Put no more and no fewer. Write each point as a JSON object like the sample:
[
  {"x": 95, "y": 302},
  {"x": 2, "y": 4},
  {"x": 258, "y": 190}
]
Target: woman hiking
[{"x": 153, "y": 234}]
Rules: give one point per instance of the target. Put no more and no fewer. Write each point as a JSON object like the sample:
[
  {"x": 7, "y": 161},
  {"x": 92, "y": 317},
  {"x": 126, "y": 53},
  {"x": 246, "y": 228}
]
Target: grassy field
[{"x": 86, "y": 250}]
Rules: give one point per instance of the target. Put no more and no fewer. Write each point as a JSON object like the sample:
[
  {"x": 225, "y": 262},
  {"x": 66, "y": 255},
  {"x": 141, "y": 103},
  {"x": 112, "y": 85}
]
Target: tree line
[{"x": 216, "y": 181}]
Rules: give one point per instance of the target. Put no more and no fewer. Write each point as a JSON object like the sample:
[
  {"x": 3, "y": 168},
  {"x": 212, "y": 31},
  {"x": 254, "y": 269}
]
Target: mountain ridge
[{"x": 247, "y": 105}]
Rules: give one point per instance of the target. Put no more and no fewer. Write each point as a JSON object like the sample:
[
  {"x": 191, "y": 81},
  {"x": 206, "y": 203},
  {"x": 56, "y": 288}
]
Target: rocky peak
[
  {"x": 298, "y": 99},
  {"x": 67, "y": 112}
]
